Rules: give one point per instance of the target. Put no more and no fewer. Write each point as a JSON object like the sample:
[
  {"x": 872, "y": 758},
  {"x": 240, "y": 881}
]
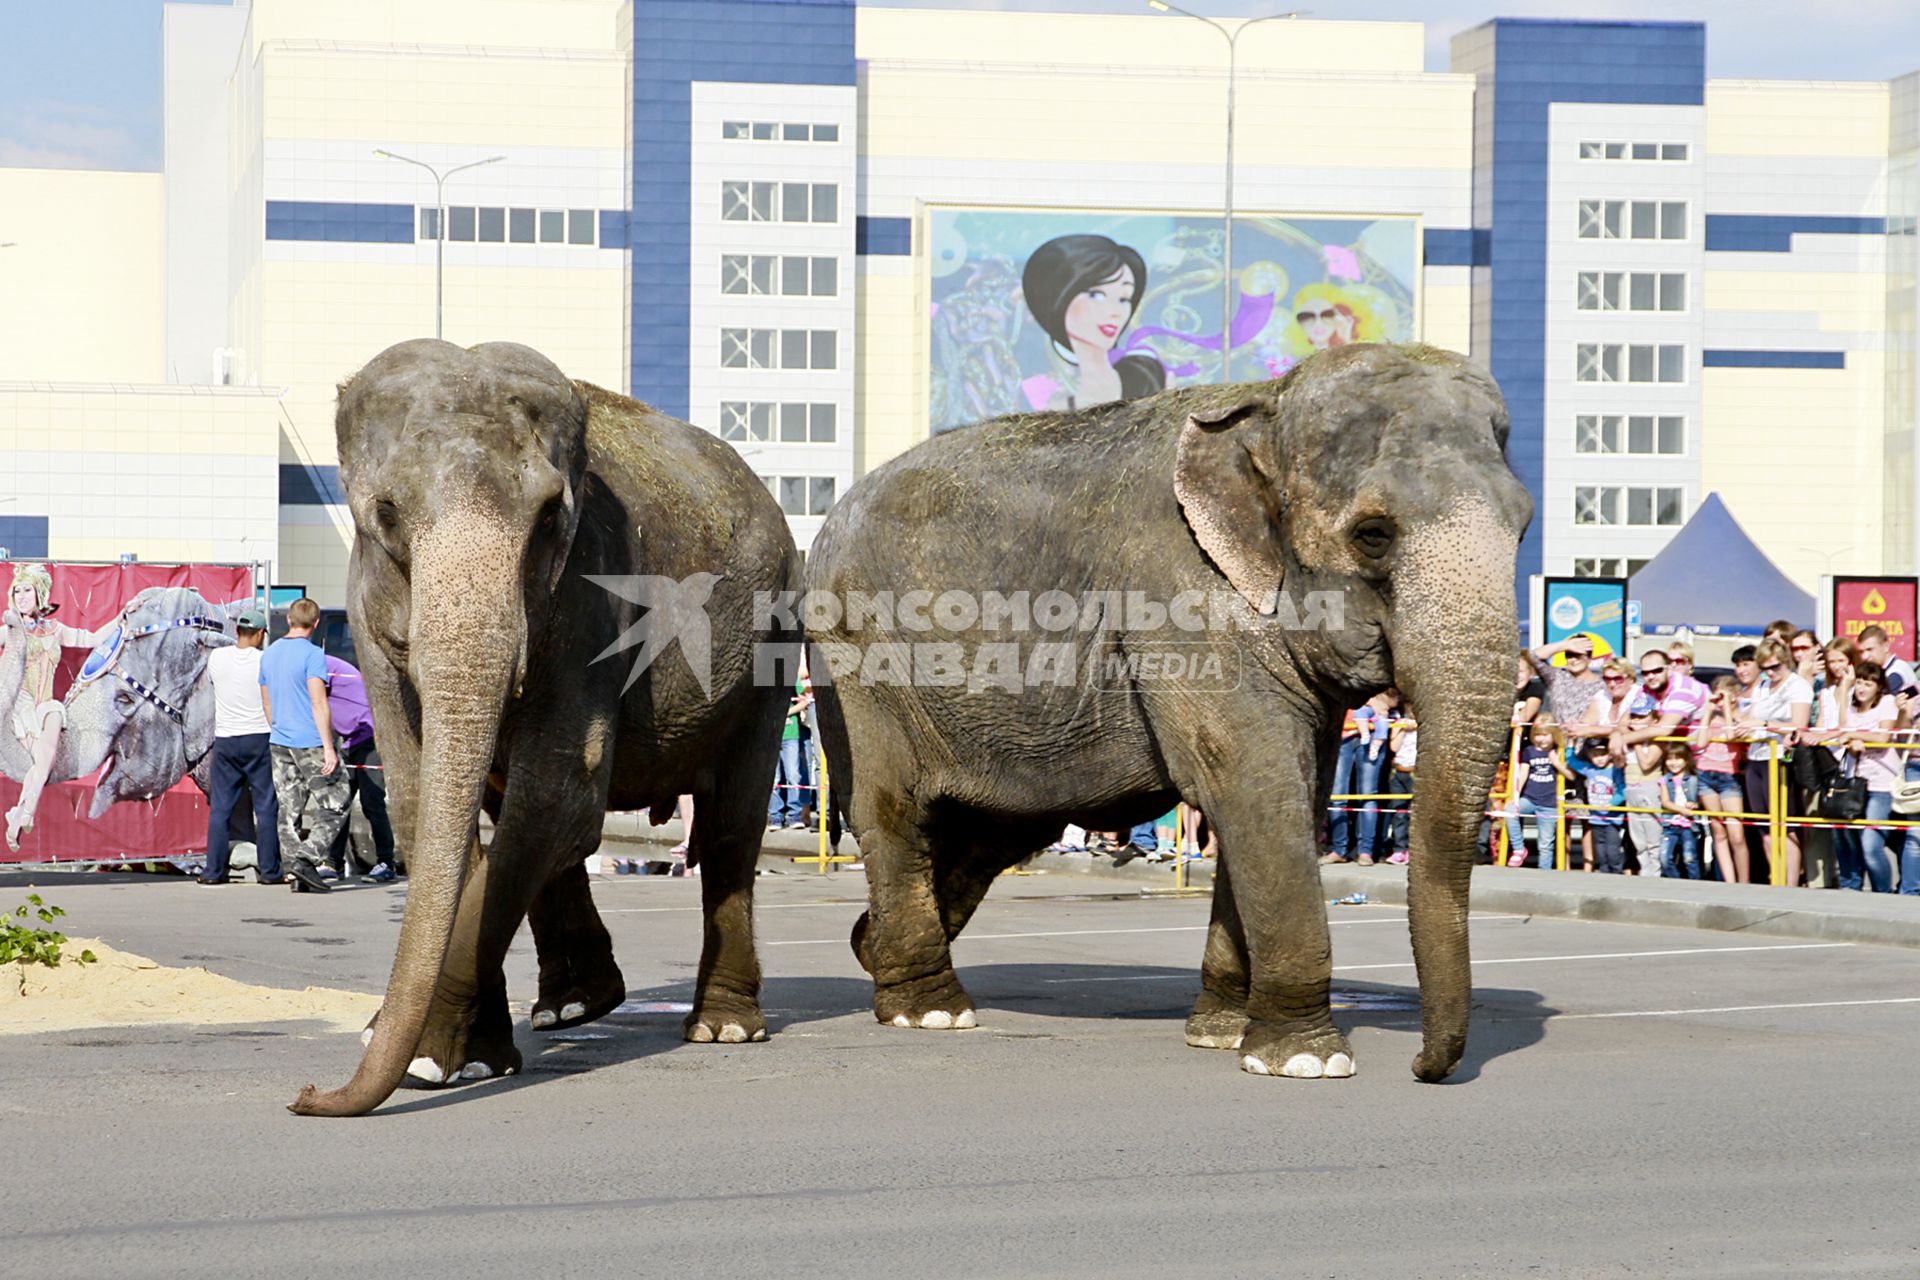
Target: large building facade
[{"x": 824, "y": 231}]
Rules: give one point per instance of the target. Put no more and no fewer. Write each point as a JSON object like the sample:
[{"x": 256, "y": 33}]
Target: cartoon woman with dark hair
[
  {"x": 1084, "y": 290},
  {"x": 36, "y": 717}
]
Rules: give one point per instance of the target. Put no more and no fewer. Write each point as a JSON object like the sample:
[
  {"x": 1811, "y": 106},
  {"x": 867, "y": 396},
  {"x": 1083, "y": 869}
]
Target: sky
[{"x": 80, "y": 79}]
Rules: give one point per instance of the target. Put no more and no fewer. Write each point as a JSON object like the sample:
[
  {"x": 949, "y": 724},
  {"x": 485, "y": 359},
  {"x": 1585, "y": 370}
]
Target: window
[
  {"x": 493, "y": 225},
  {"x": 1633, "y": 151},
  {"x": 1648, "y": 434},
  {"x": 580, "y": 226},
  {"x": 1617, "y": 362},
  {"x": 803, "y": 495},
  {"x": 787, "y": 423},
  {"x": 742, "y": 201},
  {"x": 1631, "y": 291},
  {"x": 1607, "y": 567},
  {"x": 1654, "y": 507},
  {"x": 520, "y": 226},
  {"x": 553, "y": 226},
  {"x": 794, "y": 277},
  {"x": 777, "y": 131},
  {"x": 1633, "y": 219},
  {"x": 779, "y": 348},
  {"x": 429, "y": 224},
  {"x": 460, "y": 224}
]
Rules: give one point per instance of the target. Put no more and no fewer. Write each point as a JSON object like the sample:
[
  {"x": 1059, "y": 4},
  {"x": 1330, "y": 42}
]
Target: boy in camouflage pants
[{"x": 293, "y": 687}]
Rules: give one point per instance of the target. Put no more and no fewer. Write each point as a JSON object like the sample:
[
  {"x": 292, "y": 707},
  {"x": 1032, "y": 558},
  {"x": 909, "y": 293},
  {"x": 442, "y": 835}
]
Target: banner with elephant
[
  {"x": 108, "y": 713},
  {"x": 1065, "y": 309}
]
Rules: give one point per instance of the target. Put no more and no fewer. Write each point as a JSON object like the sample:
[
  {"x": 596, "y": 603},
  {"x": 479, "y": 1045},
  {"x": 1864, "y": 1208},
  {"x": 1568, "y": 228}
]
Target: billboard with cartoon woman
[{"x": 1066, "y": 309}]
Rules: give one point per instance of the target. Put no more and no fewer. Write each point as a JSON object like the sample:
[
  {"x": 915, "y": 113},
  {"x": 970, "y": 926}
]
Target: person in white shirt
[
  {"x": 1782, "y": 706},
  {"x": 240, "y": 754}
]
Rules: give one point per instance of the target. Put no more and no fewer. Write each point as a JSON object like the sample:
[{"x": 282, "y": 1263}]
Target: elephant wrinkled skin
[
  {"x": 503, "y": 515},
  {"x": 1373, "y": 477}
]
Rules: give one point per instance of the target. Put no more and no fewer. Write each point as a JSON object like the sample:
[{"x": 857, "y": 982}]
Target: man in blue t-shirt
[{"x": 293, "y": 688}]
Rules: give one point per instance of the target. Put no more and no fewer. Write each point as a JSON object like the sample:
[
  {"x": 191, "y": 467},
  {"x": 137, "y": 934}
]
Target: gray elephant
[
  {"x": 1282, "y": 551},
  {"x": 510, "y": 527},
  {"x": 143, "y": 707}
]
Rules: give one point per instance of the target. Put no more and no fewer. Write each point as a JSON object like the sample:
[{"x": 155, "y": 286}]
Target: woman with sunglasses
[{"x": 1782, "y": 706}]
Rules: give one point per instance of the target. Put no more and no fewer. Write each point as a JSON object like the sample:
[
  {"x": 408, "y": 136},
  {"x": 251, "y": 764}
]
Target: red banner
[
  {"x": 1889, "y": 603},
  {"x": 109, "y": 756}
]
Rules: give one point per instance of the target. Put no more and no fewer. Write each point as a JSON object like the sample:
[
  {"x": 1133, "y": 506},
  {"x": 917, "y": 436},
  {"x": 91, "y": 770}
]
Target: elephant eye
[
  {"x": 385, "y": 514},
  {"x": 1373, "y": 537}
]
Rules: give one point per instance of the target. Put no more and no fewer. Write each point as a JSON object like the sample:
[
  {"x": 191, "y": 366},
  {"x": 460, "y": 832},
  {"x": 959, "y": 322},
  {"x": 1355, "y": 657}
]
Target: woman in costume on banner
[
  {"x": 36, "y": 717},
  {"x": 1084, "y": 291}
]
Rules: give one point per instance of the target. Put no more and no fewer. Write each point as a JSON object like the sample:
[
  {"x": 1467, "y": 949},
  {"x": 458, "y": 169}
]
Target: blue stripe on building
[
  {"x": 1773, "y": 359},
  {"x": 889, "y": 237},
  {"x": 1456, "y": 247},
  {"x": 1522, "y": 66},
  {"x": 1773, "y": 233},
  {"x": 676, "y": 42},
  {"x": 309, "y": 484},
  {"x": 613, "y": 228},
  {"x": 338, "y": 221},
  {"x": 24, "y": 537}
]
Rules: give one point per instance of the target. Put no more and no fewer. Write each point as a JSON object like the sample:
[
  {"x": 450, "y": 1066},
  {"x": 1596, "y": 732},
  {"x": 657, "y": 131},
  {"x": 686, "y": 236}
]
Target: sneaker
[
  {"x": 326, "y": 872},
  {"x": 1517, "y": 860},
  {"x": 381, "y": 874},
  {"x": 1399, "y": 858},
  {"x": 307, "y": 878},
  {"x": 797, "y": 825}
]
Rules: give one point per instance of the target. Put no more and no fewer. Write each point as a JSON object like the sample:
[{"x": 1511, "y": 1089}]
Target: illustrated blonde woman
[{"x": 37, "y": 718}]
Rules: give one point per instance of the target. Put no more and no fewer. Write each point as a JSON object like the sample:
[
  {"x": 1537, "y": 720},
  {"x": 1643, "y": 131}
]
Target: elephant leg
[
  {"x": 962, "y": 875},
  {"x": 469, "y": 1030},
  {"x": 1267, "y": 841},
  {"x": 579, "y": 980},
  {"x": 729, "y": 821},
  {"x": 904, "y": 945},
  {"x": 1219, "y": 1019}
]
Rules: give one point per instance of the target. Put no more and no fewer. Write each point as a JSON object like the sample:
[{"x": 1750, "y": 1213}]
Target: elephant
[
  {"x": 1351, "y": 525},
  {"x": 125, "y": 718},
  {"x": 510, "y": 527}
]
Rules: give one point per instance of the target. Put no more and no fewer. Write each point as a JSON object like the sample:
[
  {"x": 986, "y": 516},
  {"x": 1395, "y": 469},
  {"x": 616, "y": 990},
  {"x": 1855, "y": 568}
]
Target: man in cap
[{"x": 240, "y": 757}]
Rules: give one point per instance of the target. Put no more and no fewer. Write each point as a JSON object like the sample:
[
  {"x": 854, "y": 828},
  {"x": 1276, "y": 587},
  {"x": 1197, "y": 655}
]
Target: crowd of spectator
[{"x": 1658, "y": 773}]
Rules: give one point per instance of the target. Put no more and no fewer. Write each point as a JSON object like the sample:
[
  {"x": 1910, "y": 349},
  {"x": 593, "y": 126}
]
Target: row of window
[
  {"x": 1632, "y": 291},
  {"x": 802, "y": 495},
  {"x": 779, "y": 349},
  {"x": 512, "y": 226},
  {"x": 761, "y": 273},
  {"x": 1624, "y": 362},
  {"x": 1633, "y": 219},
  {"x": 1653, "y": 507},
  {"x": 742, "y": 201},
  {"x": 769, "y": 423},
  {"x": 778, "y": 131},
  {"x": 1608, "y": 567},
  {"x": 1629, "y": 433},
  {"x": 1633, "y": 151}
]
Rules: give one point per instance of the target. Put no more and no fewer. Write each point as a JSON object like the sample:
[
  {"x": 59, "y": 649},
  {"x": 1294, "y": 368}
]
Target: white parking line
[
  {"x": 983, "y": 937},
  {"x": 1734, "y": 1008},
  {"x": 1614, "y": 955},
  {"x": 758, "y": 907}
]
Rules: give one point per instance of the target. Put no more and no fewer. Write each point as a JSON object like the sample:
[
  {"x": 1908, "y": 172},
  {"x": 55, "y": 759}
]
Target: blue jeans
[
  {"x": 792, "y": 793},
  {"x": 1608, "y": 858},
  {"x": 1680, "y": 853},
  {"x": 1546, "y": 820},
  {"x": 1354, "y": 774},
  {"x": 1400, "y": 812},
  {"x": 1858, "y": 849},
  {"x": 236, "y": 760},
  {"x": 1144, "y": 837}
]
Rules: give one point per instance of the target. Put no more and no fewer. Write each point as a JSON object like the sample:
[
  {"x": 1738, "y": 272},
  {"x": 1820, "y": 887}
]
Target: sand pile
[{"x": 126, "y": 990}]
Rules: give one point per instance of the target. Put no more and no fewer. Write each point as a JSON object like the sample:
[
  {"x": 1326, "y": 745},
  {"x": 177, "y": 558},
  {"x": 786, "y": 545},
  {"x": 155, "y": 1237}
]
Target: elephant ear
[{"x": 1229, "y": 500}]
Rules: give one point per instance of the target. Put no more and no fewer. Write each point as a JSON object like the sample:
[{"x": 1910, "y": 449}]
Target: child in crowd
[
  {"x": 1642, "y": 763},
  {"x": 1605, "y": 781},
  {"x": 1541, "y": 766},
  {"x": 1721, "y": 766},
  {"x": 1680, "y": 800},
  {"x": 1404, "y": 742}
]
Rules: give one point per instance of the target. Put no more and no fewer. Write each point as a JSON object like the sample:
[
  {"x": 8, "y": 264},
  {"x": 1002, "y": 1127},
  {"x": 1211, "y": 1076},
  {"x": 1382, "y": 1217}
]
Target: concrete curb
[{"x": 1876, "y": 919}]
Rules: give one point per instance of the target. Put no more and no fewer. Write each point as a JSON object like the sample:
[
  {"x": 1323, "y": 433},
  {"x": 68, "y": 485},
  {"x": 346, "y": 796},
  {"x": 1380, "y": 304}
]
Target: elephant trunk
[
  {"x": 1455, "y": 632},
  {"x": 467, "y": 637}
]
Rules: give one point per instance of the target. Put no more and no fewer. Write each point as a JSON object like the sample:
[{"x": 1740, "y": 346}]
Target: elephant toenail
[
  {"x": 544, "y": 1018},
  {"x": 573, "y": 1009},
  {"x": 1304, "y": 1066},
  {"x": 700, "y": 1033},
  {"x": 937, "y": 1020},
  {"x": 1339, "y": 1066},
  {"x": 476, "y": 1071},
  {"x": 966, "y": 1021},
  {"x": 1255, "y": 1065},
  {"x": 733, "y": 1033},
  {"x": 901, "y": 1020},
  {"x": 426, "y": 1069}
]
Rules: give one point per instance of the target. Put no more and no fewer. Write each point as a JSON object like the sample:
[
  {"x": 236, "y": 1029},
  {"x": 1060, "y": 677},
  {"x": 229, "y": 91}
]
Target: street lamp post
[
  {"x": 440, "y": 219},
  {"x": 1226, "y": 254}
]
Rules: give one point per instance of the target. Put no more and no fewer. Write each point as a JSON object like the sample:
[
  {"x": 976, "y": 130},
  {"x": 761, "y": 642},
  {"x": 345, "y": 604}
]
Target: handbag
[
  {"x": 1844, "y": 796},
  {"x": 1906, "y": 799}
]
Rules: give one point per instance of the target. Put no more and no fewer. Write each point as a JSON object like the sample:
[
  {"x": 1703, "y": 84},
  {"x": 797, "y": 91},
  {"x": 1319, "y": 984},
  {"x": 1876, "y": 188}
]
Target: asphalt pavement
[{"x": 1636, "y": 1101}]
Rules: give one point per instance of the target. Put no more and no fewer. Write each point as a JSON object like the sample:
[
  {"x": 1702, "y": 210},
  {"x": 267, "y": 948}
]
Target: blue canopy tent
[{"x": 1712, "y": 580}]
